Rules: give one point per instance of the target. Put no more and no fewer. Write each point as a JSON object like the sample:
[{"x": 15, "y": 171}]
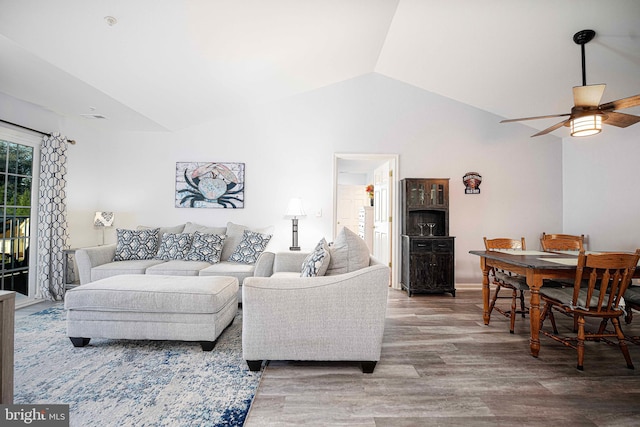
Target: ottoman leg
[
  {"x": 79, "y": 342},
  {"x": 254, "y": 365},
  {"x": 207, "y": 345}
]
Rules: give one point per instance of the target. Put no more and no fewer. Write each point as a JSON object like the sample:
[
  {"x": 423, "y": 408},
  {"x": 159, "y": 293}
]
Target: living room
[{"x": 369, "y": 101}]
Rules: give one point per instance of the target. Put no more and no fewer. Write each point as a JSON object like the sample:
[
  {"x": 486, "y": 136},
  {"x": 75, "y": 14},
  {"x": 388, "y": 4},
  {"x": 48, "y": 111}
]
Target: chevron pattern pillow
[
  {"x": 250, "y": 247},
  {"x": 206, "y": 247},
  {"x": 136, "y": 244},
  {"x": 174, "y": 246}
]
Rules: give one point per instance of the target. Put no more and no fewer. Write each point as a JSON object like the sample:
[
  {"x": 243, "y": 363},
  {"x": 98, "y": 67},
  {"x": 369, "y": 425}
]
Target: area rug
[{"x": 132, "y": 383}]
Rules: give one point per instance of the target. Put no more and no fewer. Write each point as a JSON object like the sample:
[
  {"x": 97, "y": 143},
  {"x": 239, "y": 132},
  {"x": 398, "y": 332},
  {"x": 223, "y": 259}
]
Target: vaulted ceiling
[{"x": 171, "y": 64}]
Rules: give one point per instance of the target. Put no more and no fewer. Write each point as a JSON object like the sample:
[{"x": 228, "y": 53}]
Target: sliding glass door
[{"x": 16, "y": 190}]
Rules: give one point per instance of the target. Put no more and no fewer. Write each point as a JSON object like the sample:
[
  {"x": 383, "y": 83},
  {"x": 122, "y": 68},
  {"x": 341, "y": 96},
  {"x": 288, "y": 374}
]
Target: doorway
[{"x": 352, "y": 174}]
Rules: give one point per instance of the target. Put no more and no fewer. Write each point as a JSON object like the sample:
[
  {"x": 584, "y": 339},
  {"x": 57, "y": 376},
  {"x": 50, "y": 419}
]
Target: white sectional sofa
[{"x": 98, "y": 262}]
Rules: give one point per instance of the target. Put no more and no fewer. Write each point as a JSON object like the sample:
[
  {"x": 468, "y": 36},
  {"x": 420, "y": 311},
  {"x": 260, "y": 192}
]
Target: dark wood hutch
[{"x": 427, "y": 249}]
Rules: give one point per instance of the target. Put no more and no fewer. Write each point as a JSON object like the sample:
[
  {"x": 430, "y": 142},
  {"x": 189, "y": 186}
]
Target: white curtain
[{"x": 52, "y": 217}]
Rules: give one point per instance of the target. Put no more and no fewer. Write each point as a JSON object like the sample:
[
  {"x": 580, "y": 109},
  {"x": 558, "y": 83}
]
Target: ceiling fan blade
[
  {"x": 588, "y": 96},
  {"x": 534, "y": 118},
  {"x": 552, "y": 128},
  {"x": 621, "y": 120},
  {"x": 621, "y": 104}
]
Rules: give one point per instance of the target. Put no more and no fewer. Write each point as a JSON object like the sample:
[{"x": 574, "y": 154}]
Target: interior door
[
  {"x": 350, "y": 199},
  {"x": 382, "y": 233}
]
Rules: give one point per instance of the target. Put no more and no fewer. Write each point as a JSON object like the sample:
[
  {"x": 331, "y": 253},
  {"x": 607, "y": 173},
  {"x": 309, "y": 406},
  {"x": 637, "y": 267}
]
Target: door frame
[{"x": 394, "y": 166}]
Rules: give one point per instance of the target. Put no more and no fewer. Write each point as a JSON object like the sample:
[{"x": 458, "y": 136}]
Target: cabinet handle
[{"x": 422, "y": 246}]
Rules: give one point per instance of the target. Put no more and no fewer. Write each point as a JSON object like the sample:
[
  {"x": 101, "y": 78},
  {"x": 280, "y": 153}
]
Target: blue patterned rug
[{"x": 132, "y": 383}]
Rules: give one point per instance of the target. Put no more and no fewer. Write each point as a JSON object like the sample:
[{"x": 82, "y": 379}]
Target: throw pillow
[
  {"x": 348, "y": 253},
  {"x": 136, "y": 244},
  {"x": 206, "y": 247},
  {"x": 192, "y": 227},
  {"x": 174, "y": 246},
  {"x": 161, "y": 230},
  {"x": 235, "y": 236},
  {"x": 317, "y": 262},
  {"x": 250, "y": 247}
]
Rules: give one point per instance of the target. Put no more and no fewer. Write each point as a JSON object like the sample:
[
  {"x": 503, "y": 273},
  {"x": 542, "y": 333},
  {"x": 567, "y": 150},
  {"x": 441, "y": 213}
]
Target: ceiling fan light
[{"x": 586, "y": 125}]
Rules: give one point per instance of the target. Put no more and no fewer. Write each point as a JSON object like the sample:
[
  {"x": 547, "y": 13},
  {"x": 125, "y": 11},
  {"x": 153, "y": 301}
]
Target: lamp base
[{"x": 294, "y": 248}]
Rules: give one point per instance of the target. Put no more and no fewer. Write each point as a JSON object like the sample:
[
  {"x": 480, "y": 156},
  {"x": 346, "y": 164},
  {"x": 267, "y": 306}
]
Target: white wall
[
  {"x": 601, "y": 195},
  {"x": 288, "y": 149}
]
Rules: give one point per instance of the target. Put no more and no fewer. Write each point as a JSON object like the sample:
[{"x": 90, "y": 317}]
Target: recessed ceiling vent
[{"x": 93, "y": 116}]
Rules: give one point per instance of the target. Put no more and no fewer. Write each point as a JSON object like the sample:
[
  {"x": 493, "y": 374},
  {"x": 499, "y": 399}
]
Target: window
[{"x": 16, "y": 190}]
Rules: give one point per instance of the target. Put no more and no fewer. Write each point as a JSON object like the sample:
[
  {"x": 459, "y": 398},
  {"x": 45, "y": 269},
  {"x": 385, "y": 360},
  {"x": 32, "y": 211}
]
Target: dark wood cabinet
[{"x": 428, "y": 252}]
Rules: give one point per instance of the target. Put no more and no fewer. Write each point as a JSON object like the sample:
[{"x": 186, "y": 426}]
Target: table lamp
[
  {"x": 295, "y": 210},
  {"x": 102, "y": 220}
]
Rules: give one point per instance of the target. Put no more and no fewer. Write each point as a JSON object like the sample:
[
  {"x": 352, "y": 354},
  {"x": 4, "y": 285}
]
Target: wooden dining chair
[
  {"x": 561, "y": 242},
  {"x": 504, "y": 279},
  {"x": 608, "y": 275}
]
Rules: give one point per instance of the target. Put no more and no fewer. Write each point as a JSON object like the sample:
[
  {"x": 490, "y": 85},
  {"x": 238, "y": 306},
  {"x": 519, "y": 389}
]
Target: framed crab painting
[{"x": 209, "y": 185}]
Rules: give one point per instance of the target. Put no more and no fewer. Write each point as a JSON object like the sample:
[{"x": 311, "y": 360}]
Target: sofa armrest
[
  {"x": 289, "y": 261},
  {"x": 87, "y": 258},
  {"x": 264, "y": 265}
]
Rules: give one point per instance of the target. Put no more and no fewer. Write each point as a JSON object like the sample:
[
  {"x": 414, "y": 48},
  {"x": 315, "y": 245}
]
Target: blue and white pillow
[
  {"x": 317, "y": 262},
  {"x": 206, "y": 247},
  {"x": 174, "y": 246},
  {"x": 136, "y": 244},
  {"x": 250, "y": 247}
]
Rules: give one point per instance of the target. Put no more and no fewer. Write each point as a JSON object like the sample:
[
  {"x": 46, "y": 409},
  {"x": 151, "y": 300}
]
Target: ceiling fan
[{"x": 586, "y": 117}]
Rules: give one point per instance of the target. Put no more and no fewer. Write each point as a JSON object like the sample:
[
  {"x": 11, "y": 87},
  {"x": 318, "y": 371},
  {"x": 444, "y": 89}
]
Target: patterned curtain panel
[{"x": 52, "y": 217}]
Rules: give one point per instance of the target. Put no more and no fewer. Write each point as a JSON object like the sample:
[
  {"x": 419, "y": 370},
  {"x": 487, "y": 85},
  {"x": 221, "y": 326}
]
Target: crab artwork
[{"x": 209, "y": 185}]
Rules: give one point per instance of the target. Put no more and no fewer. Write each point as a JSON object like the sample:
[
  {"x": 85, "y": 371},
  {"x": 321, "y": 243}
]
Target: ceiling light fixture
[{"x": 586, "y": 125}]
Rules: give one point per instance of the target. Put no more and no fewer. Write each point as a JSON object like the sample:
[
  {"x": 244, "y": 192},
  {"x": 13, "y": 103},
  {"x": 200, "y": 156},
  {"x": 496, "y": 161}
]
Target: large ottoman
[{"x": 150, "y": 307}]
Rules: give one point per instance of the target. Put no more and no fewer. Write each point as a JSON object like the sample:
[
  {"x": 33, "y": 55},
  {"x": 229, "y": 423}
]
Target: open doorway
[{"x": 375, "y": 222}]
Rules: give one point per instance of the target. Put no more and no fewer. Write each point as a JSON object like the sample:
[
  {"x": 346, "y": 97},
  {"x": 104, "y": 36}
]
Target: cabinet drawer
[
  {"x": 421, "y": 245},
  {"x": 442, "y": 246}
]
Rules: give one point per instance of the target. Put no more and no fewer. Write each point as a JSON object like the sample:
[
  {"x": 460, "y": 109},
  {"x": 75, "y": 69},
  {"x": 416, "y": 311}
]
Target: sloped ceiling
[{"x": 170, "y": 64}]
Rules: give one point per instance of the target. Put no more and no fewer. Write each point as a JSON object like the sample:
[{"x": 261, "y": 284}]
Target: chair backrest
[
  {"x": 504, "y": 243},
  {"x": 609, "y": 275},
  {"x": 562, "y": 242}
]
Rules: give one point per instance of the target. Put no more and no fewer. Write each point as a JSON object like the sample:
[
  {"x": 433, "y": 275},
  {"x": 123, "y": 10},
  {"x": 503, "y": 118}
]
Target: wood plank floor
[{"x": 441, "y": 366}]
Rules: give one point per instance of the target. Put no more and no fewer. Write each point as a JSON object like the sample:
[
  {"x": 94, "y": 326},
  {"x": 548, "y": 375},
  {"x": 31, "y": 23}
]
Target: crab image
[{"x": 211, "y": 183}]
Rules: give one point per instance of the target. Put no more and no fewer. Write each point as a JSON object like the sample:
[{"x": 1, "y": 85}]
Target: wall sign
[{"x": 472, "y": 182}]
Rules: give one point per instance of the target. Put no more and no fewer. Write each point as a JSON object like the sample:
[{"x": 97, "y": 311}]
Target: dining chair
[
  {"x": 561, "y": 242},
  {"x": 609, "y": 275},
  {"x": 504, "y": 279}
]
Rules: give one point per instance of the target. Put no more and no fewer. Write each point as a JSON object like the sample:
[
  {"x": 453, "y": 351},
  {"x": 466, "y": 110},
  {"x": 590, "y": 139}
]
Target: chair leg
[
  {"x": 553, "y": 321},
  {"x": 522, "y": 308},
  {"x": 543, "y": 315},
  {"x": 622, "y": 343},
  {"x": 492, "y": 303},
  {"x": 580, "y": 345},
  {"x": 512, "y": 316}
]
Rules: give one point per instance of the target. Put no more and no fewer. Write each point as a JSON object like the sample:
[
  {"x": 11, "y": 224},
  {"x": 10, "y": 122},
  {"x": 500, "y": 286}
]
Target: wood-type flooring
[{"x": 441, "y": 366}]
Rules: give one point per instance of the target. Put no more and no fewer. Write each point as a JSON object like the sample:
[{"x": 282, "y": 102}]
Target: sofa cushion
[
  {"x": 174, "y": 246},
  {"x": 250, "y": 247},
  {"x": 206, "y": 247},
  {"x": 122, "y": 267},
  {"x": 317, "y": 262},
  {"x": 178, "y": 268},
  {"x": 192, "y": 227},
  {"x": 227, "y": 268},
  {"x": 348, "y": 253},
  {"x": 235, "y": 233},
  {"x": 136, "y": 244}
]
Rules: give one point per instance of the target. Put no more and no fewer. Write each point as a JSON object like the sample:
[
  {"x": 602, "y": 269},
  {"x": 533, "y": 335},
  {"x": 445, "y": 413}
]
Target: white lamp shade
[
  {"x": 103, "y": 219},
  {"x": 295, "y": 208},
  {"x": 586, "y": 125}
]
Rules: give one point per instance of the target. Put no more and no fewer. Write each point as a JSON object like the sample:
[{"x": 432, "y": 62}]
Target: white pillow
[
  {"x": 348, "y": 253},
  {"x": 317, "y": 262}
]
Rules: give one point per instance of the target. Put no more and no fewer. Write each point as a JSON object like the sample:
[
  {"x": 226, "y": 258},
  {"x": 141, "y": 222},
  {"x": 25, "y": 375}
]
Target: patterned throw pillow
[
  {"x": 250, "y": 248},
  {"x": 136, "y": 244},
  {"x": 206, "y": 247},
  {"x": 317, "y": 262},
  {"x": 174, "y": 246}
]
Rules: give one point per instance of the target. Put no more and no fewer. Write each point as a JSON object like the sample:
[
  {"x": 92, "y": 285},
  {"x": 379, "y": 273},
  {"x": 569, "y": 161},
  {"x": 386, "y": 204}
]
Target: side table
[{"x": 69, "y": 279}]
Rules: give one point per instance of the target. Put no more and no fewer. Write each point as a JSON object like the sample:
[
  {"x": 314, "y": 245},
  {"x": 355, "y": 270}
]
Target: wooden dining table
[{"x": 536, "y": 266}]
